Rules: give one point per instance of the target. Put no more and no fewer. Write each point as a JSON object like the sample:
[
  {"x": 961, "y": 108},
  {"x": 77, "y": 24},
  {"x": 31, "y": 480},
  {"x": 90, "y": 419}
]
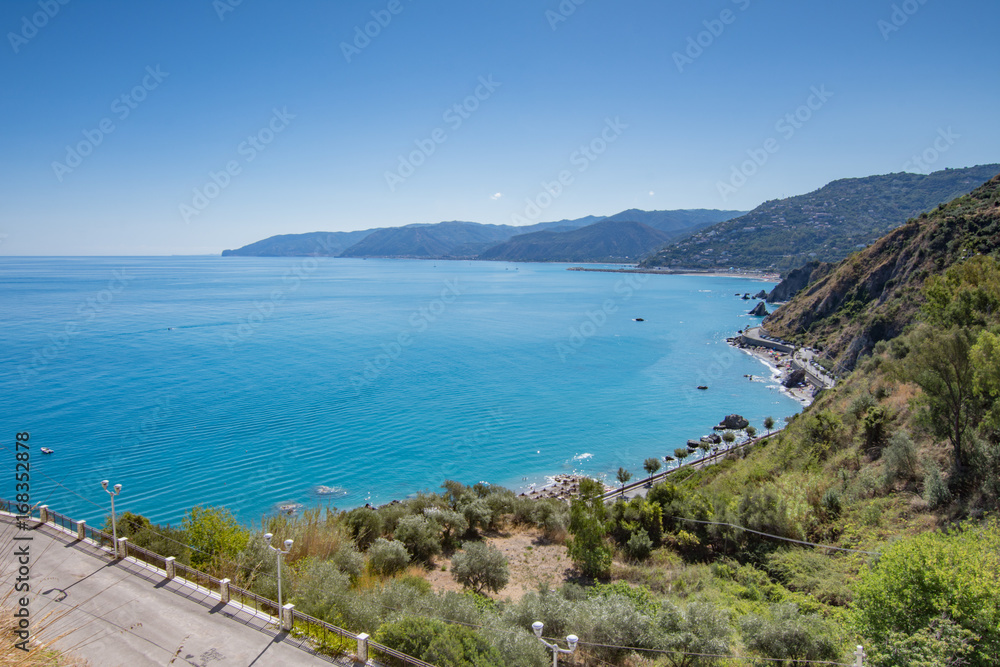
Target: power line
[{"x": 777, "y": 537}]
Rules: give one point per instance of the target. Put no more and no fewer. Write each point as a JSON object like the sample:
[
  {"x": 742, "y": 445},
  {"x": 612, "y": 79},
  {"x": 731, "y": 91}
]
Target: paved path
[{"x": 124, "y": 614}]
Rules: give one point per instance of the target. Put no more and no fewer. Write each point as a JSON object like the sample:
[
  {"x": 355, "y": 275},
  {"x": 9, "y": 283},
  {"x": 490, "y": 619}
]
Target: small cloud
[
  {"x": 651, "y": 193},
  {"x": 496, "y": 196}
]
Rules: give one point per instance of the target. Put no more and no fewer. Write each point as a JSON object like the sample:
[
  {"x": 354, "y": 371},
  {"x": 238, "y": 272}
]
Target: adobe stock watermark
[
  {"x": 786, "y": 126},
  {"x": 702, "y": 41},
  {"x": 30, "y": 25},
  {"x": 223, "y": 7},
  {"x": 363, "y": 36},
  {"x": 87, "y": 311},
  {"x": 263, "y": 310},
  {"x": 419, "y": 321},
  {"x": 942, "y": 144},
  {"x": 594, "y": 320},
  {"x": 582, "y": 158},
  {"x": 122, "y": 107},
  {"x": 464, "y": 449},
  {"x": 454, "y": 116},
  {"x": 899, "y": 17},
  {"x": 248, "y": 150},
  {"x": 562, "y": 13}
]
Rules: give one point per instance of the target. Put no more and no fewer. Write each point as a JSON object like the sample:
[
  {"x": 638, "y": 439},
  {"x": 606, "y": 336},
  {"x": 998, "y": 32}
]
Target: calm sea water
[{"x": 250, "y": 383}]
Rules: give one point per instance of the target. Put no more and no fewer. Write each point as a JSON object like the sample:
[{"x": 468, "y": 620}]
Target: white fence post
[
  {"x": 859, "y": 657},
  {"x": 363, "y": 647},
  {"x": 224, "y": 590},
  {"x": 286, "y": 616},
  {"x": 81, "y": 530},
  {"x": 43, "y": 513},
  {"x": 122, "y": 547},
  {"x": 171, "y": 567}
]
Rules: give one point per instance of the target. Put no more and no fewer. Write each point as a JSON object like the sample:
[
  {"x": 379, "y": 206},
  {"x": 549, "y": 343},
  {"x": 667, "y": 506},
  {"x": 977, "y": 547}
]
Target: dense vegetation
[
  {"x": 876, "y": 293},
  {"x": 826, "y": 225}
]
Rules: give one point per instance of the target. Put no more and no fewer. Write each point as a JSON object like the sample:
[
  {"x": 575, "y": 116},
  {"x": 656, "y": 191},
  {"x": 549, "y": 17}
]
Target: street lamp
[
  {"x": 277, "y": 556},
  {"x": 571, "y": 640},
  {"x": 114, "y": 522}
]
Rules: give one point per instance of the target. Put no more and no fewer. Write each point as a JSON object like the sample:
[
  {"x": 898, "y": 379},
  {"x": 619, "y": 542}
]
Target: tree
[
  {"x": 729, "y": 437},
  {"x": 387, "y": 557},
  {"x": 623, "y": 477},
  {"x": 480, "y": 567},
  {"x": 751, "y": 432},
  {"x": 438, "y": 642},
  {"x": 420, "y": 536},
  {"x": 941, "y": 364},
  {"x": 215, "y": 535},
  {"x": 769, "y": 424},
  {"x": 651, "y": 465},
  {"x": 918, "y": 581},
  {"x": 588, "y": 526},
  {"x": 681, "y": 453},
  {"x": 700, "y": 628},
  {"x": 788, "y": 634}
]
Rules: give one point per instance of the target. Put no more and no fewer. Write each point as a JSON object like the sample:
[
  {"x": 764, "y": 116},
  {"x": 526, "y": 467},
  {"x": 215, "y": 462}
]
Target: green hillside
[
  {"x": 825, "y": 225},
  {"x": 605, "y": 241},
  {"x": 875, "y": 293}
]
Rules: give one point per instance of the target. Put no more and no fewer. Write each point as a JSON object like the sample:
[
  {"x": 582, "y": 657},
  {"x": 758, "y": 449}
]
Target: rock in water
[
  {"x": 760, "y": 310},
  {"x": 760, "y": 295},
  {"x": 733, "y": 423}
]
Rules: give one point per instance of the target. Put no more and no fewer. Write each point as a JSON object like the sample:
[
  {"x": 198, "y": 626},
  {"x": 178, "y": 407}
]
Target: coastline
[{"x": 761, "y": 276}]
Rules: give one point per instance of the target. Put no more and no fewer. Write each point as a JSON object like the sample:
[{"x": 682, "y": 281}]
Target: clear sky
[{"x": 189, "y": 126}]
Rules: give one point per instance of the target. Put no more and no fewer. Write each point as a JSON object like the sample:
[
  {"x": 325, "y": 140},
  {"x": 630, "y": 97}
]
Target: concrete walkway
[{"x": 126, "y": 614}]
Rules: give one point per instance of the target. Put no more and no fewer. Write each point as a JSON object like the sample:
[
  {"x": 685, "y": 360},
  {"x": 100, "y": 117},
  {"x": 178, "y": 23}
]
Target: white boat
[{"x": 46, "y": 450}]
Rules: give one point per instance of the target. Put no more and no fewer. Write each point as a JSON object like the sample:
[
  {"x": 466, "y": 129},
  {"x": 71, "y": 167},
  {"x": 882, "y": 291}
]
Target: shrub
[
  {"x": 216, "y": 536},
  {"x": 480, "y": 567},
  {"x": 900, "y": 458},
  {"x": 319, "y": 587},
  {"x": 387, "y": 557},
  {"x": 932, "y": 576},
  {"x": 366, "y": 526},
  {"x": 639, "y": 546},
  {"x": 936, "y": 492},
  {"x": 420, "y": 535},
  {"x": 831, "y": 502},
  {"x": 787, "y": 634},
  {"x": 349, "y": 560}
]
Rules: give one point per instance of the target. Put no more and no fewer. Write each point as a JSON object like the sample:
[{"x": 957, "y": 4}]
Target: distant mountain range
[
  {"x": 826, "y": 225},
  {"x": 626, "y": 236},
  {"x": 605, "y": 241}
]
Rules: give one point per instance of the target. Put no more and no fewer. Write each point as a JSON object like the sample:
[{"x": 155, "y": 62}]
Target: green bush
[
  {"x": 387, "y": 557},
  {"x": 215, "y": 535},
  {"x": 900, "y": 458},
  {"x": 919, "y": 580},
  {"x": 420, "y": 535},
  {"x": 787, "y": 634},
  {"x": 639, "y": 546},
  {"x": 366, "y": 526},
  {"x": 348, "y": 560},
  {"x": 936, "y": 492}
]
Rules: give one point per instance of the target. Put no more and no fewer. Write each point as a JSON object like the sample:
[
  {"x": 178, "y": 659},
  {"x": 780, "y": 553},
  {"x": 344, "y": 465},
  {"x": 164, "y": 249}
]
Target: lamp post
[
  {"x": 277, "y": 556},
  {"x": 114, "y": 521},
  {"x": 571, "y": 641}
]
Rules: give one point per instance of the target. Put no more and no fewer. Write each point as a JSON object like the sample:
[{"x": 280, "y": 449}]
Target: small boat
[
  {"x": 702, "y": 387},
  {"x": 46, "y": 450},
  {"x": 638, "y": 319}
]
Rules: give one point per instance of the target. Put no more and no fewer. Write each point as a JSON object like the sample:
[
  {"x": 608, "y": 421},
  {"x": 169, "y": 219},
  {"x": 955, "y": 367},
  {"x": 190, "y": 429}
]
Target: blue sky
[{"x": 164, "y": 127}]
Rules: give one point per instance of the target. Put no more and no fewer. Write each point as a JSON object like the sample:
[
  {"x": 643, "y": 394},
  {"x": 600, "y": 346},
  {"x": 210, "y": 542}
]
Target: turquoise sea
[{"x": 250, "y": 383}]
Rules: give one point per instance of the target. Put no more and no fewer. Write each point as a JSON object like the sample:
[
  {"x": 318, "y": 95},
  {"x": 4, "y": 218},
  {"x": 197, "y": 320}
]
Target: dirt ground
[{"x": 532, "y": 561}]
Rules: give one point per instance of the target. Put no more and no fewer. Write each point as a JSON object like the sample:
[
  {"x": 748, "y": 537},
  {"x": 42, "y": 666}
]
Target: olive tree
[{"x": 480, "y": 567}]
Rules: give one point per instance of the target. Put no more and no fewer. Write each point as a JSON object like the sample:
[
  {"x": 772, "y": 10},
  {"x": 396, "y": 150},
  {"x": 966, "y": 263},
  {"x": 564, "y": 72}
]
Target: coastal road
[{"x": 122, "y": 614}]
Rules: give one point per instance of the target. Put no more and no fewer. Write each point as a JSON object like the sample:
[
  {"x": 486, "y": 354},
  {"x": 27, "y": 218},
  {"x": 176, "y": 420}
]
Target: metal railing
[
  {"x": 393, "y": 657},
  {"x": 323, "y": 637}
]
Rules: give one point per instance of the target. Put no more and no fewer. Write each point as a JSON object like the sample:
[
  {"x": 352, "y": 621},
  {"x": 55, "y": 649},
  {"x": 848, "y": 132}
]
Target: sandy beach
[
  {"x": 749, "y": 275},
  {"x": 561, "y": 487}
]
